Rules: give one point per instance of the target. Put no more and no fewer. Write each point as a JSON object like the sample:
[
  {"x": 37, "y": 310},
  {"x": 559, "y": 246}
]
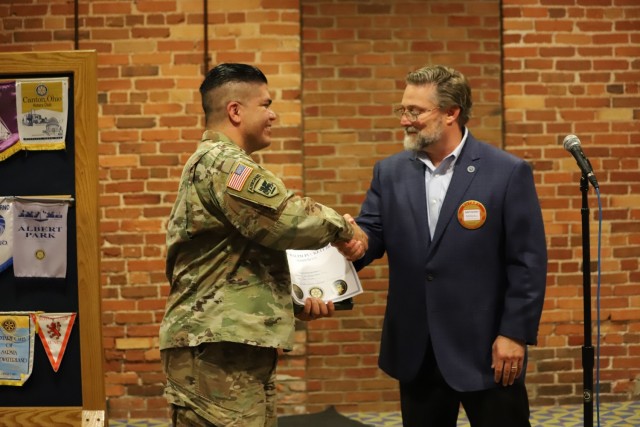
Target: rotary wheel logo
[
  {"x": 9, "y": 325},
  {"x": 316, "y": 292},
  {"x": 41, "y": 90},
  {"x": 40, "y": 254}
]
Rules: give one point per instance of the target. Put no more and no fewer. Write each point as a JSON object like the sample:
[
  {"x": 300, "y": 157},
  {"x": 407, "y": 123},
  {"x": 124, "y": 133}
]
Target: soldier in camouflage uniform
[{"x": 230, "y": 309}]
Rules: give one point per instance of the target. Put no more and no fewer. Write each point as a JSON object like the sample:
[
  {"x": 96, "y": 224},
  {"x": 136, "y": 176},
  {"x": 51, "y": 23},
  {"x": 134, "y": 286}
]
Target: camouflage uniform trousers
[{"x": 221, "y": 384}]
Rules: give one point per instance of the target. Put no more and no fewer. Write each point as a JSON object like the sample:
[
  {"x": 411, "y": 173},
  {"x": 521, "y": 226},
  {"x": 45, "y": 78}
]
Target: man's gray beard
[{"x": 417, "y": 144}]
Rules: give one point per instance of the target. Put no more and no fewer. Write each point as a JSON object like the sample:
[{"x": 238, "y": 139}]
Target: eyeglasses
[{"x": 412, "y": 115}]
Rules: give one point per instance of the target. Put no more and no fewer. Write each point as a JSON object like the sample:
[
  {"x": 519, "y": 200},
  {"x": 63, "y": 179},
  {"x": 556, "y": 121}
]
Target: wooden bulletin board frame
[{"x": 83, "y": 66}]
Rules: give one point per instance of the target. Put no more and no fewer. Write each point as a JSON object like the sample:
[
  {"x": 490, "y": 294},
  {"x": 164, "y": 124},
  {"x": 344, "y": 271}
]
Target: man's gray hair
[{"x": 452, "y": 88}]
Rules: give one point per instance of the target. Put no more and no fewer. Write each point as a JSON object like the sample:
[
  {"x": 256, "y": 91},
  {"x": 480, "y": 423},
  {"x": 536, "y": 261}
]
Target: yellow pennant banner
[
  {"x": 42, "y": 113},
  {"x": 17, "y": 332}
]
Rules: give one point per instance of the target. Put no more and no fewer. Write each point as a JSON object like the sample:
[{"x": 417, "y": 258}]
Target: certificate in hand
[{"x": 322, "y": 273}]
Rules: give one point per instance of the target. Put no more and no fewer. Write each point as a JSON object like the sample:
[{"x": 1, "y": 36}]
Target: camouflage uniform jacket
[{"x": 226, "y": 239}]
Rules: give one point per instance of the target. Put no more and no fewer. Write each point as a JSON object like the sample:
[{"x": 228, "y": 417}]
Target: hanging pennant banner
[
  {"x": 54, "y": 330},
  {"x": 17, "y": 332},
  {"x": 6, "y": 233},
  {"x": 9, "y": 138},
  {"x": 42, "y": 109},
  {"x": 39, "y": 239}
]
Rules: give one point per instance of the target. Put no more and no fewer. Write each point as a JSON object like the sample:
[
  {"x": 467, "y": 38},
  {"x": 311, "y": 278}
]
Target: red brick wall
[
  {"x": 150, "y": 56},
  {"x": 355, "y": 56},
  {"x": 335, "y": 69},
  {"x": 572, "y": 67}
]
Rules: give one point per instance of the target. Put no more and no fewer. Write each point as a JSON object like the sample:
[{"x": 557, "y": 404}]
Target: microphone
[{"x": 572, "y": 144}]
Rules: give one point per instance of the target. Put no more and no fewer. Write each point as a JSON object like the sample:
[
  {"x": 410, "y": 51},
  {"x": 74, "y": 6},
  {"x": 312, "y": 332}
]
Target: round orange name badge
[{"x": 472, "y": 214}]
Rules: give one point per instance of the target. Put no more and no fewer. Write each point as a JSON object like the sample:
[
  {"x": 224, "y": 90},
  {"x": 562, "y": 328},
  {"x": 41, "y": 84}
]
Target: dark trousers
[{"x": 428, "y": 401}]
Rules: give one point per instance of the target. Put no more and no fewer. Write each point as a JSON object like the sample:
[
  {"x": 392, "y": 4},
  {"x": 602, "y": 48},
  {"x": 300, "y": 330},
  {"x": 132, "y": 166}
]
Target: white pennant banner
[
  {"x": 6, "y": 233},
  {"x": 39, "y": 239},
  {"x": 54, "y": 330}
]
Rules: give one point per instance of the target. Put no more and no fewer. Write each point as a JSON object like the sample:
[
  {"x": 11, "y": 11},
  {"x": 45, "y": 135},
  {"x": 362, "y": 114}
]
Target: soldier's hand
[
  {"x": 315, "y": 308},
  {"x": 355, "y": 248}
]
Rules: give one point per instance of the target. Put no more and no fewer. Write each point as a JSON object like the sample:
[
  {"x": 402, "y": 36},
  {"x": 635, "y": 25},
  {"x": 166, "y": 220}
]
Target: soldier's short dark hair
[{"x": 229, "y": 73}]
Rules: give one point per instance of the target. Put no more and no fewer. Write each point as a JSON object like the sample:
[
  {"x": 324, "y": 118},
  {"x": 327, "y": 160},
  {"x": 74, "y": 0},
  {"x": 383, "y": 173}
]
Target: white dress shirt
[{"x": 437, "y": 180}]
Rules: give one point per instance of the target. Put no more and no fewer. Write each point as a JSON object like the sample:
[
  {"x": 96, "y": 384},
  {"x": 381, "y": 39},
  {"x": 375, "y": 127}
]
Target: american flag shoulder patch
[{"x": 239, "y": 176}]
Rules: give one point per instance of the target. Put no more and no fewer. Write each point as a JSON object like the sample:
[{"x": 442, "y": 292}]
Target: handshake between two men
[{"x": 355, "y": 248}]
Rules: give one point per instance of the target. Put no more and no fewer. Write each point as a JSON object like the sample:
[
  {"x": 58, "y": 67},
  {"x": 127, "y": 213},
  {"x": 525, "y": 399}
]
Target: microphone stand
[{"x": 587, "y": 348}]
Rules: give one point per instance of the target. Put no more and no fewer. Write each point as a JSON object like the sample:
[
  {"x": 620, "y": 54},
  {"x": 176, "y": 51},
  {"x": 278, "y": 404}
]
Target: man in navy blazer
[{"x": 462, "y": 228}]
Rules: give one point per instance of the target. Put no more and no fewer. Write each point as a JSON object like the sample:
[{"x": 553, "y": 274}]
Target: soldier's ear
[{"x": 233, "y": 111}]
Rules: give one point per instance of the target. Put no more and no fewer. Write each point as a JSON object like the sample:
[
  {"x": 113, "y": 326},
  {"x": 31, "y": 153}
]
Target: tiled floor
[{"x": 623, "y": 414}]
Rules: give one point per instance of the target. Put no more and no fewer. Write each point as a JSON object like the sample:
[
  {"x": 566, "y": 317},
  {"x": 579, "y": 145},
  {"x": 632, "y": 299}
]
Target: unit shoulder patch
[
  {"x": 259, "y": 184},
  {"x": 255, "y": 184}
]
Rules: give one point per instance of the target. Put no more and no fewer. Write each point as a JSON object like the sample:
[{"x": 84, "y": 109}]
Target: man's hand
[
  {"x": 355, "y": 248},
  {"x": 507, "y": 360},
  {"x": 315, "y": 308}
]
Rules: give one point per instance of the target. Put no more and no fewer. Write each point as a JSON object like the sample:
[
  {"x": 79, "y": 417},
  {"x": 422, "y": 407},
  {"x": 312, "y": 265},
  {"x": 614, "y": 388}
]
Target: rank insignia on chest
[{"x": 262, "y": 186}]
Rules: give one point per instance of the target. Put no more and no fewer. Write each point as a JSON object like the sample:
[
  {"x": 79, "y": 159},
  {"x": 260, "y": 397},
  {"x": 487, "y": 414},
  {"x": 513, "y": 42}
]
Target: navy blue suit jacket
[{"x": 466, "y": 286}]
